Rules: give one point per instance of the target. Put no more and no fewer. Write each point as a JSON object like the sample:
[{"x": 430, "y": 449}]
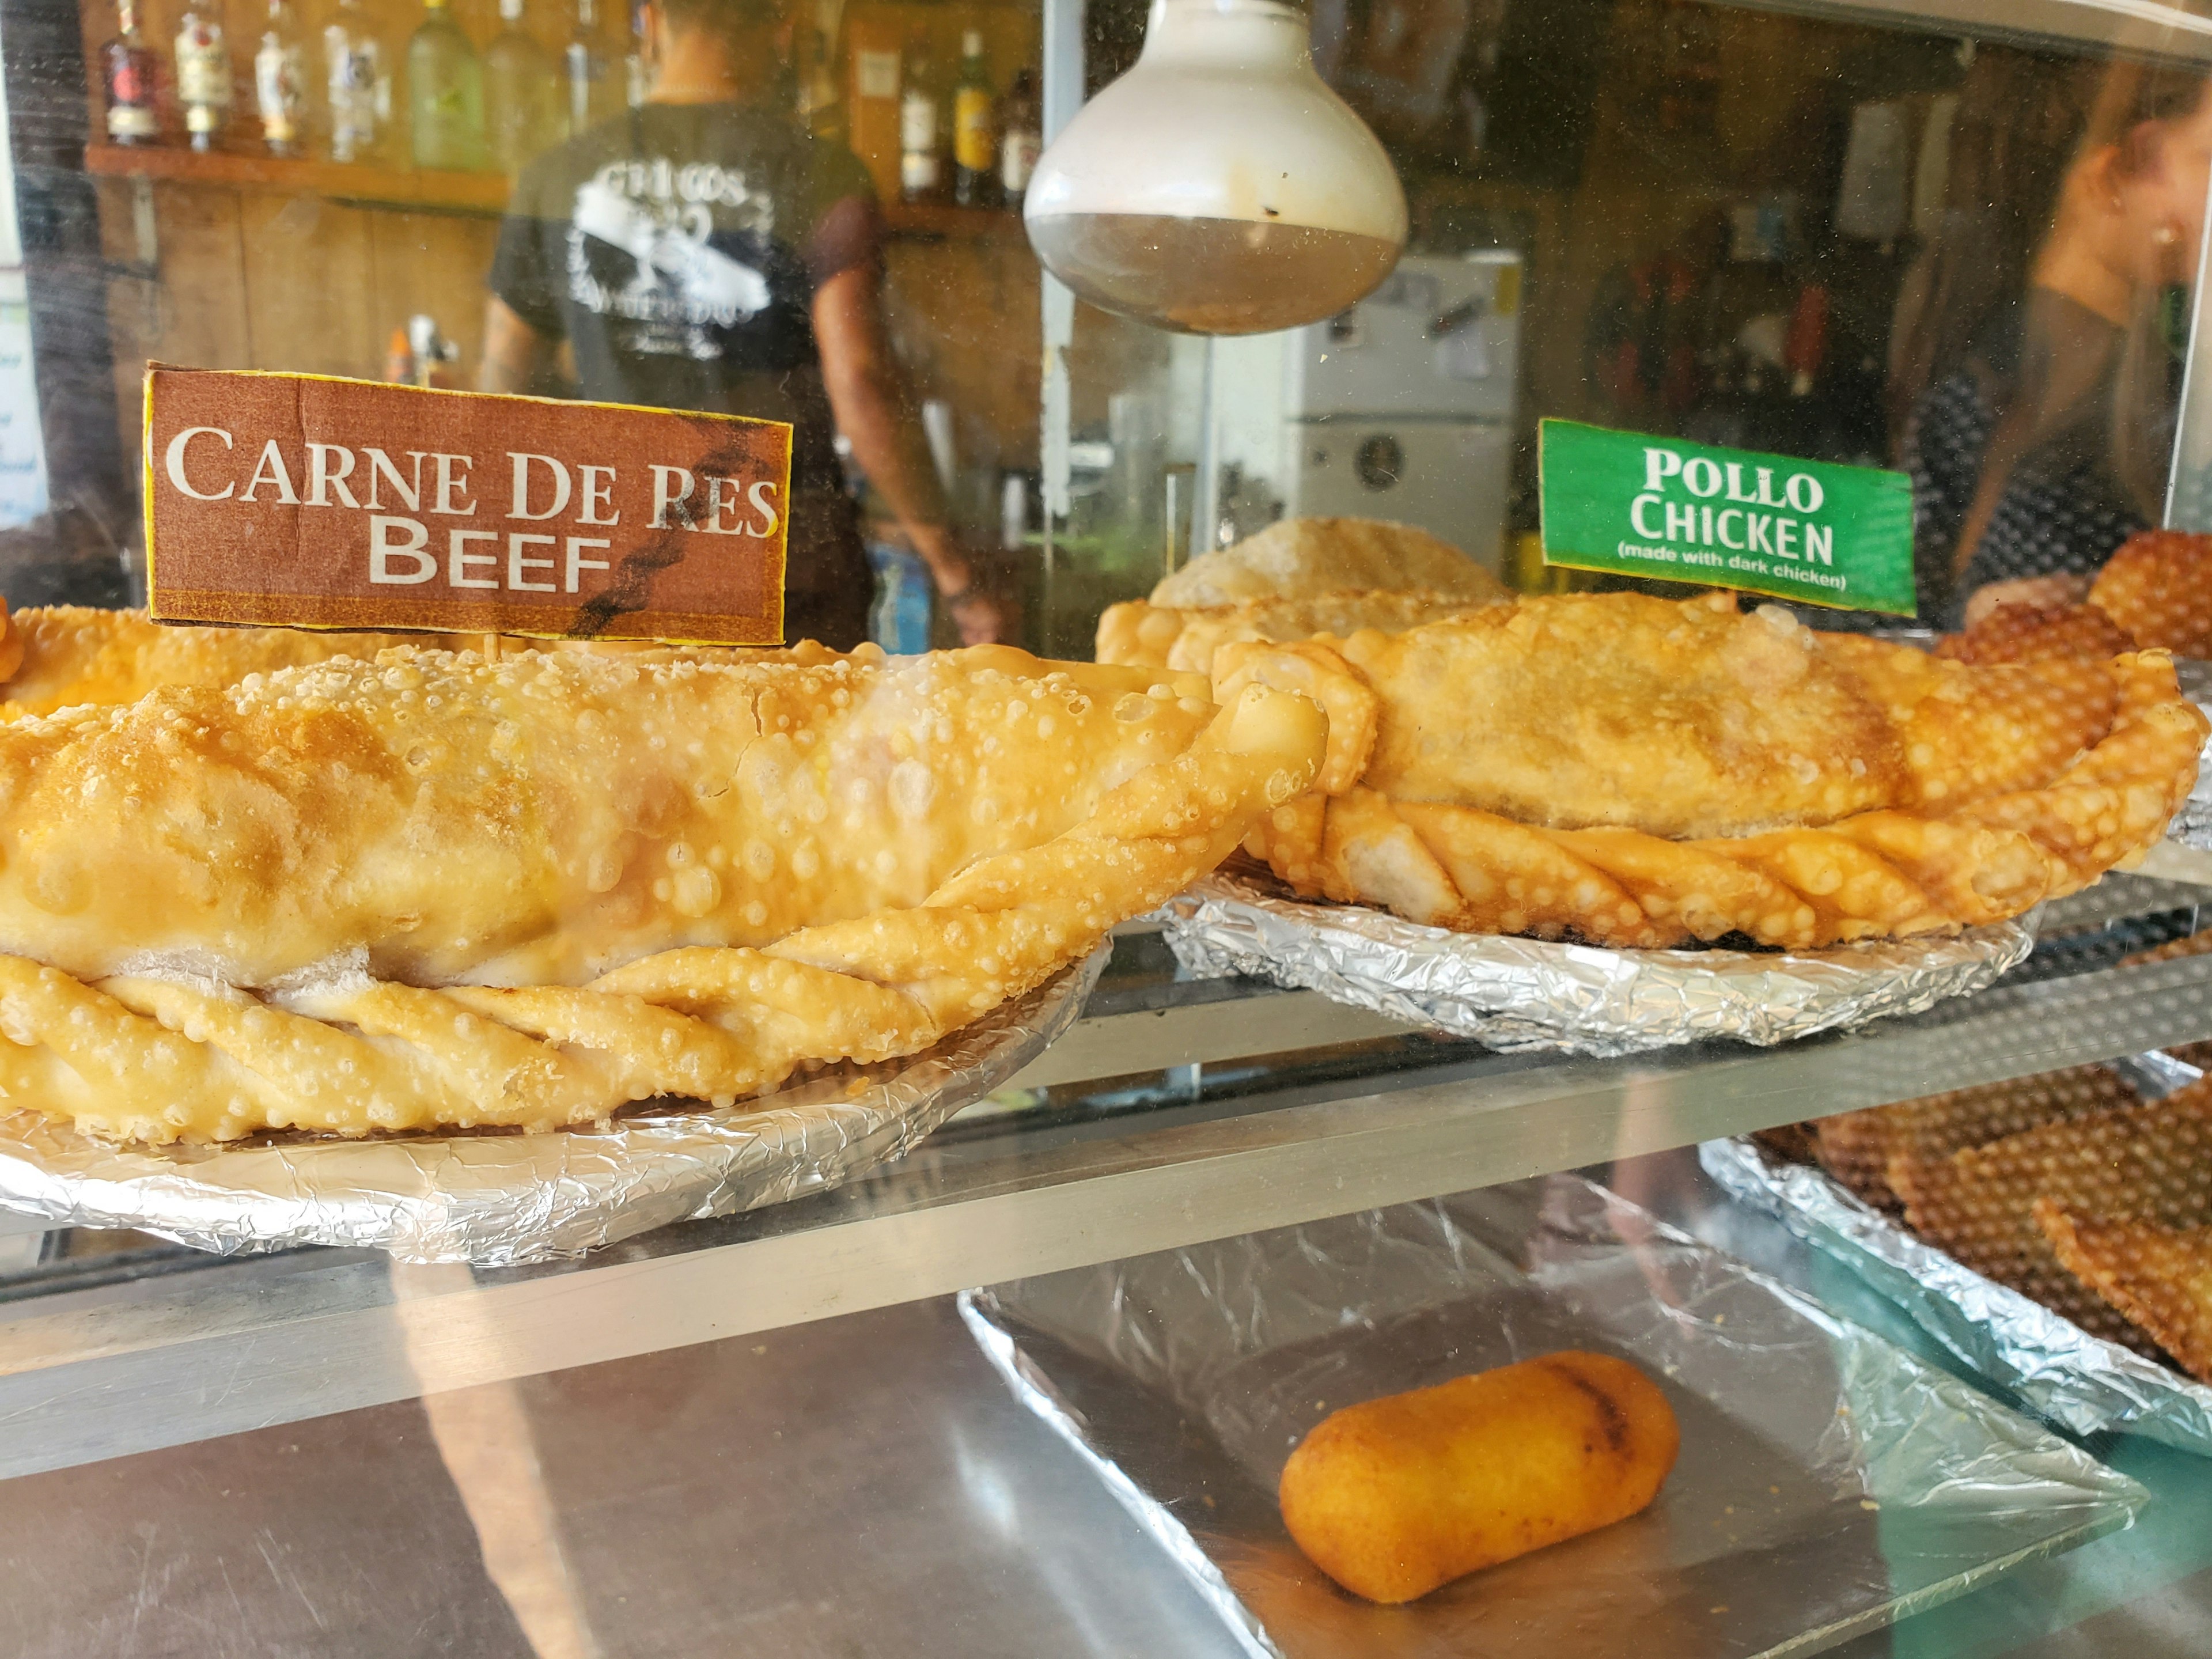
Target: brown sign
[{"x": 305, "y": 502}]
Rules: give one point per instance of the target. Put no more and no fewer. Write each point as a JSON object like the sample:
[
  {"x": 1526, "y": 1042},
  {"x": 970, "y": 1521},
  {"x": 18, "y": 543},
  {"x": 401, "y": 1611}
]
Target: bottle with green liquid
[{"x": 445, "y": 94}]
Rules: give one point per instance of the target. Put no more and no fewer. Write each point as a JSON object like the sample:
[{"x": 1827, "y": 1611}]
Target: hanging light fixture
[{"x": 1218, "y": 187}]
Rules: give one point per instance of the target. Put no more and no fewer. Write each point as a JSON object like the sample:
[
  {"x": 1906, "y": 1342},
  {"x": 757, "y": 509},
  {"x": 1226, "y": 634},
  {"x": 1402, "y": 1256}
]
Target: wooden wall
[{"x": 270, "y": 273}]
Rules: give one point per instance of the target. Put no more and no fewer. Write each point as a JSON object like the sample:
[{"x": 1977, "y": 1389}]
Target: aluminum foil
[
  {"x": 2192, "y": 824},
  {"x": 504, "y": 1199},
  {"x": 2081, "y": 1383},
  {"x": 1827, "y": 1484},
  {"x": 1525, "y": 993}
]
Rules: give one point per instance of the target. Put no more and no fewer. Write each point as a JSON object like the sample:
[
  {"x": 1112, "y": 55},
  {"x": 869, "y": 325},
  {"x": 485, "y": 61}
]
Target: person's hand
[
  {"x": 981, "y": 618},
  {"x": 2039, "y": 591}
]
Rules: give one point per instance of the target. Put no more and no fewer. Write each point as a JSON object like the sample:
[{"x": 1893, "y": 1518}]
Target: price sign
[
  {"x": 306, "y": 502},
  {"x": 1809, "y": 531}
]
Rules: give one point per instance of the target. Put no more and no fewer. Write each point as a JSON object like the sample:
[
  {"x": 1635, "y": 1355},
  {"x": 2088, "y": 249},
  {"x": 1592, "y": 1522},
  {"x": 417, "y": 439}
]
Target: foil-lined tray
[
  {"x": 2081, "y": 1382},
  {"x": 1526, "y": 994},
  {"x": 496, "y": 1199},
  {"x": 2192, "y": 824},
  {"x": 1828, "y": 1483}
]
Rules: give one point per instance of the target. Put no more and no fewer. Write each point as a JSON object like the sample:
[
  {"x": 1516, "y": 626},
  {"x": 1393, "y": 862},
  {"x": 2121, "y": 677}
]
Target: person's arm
[
  {"x": 868, "y": 397},
  {"x": 514, "y": 352}
]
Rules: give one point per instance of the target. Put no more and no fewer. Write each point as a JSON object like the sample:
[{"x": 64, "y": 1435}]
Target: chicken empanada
[{"x": 1633, "y": 771}]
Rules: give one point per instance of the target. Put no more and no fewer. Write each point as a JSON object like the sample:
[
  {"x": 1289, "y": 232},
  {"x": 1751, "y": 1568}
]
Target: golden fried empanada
[
  {"x": 1634, "y": 771},
  {"x": 1300, "y": 558},
  {"x": 2158, "y": 587},
  {"x": 62, "y": 655},
  {"x": 436, "y": 890},
  {"x": 2160, "y": 1277},
  {"x": 1143, "y": 635}
]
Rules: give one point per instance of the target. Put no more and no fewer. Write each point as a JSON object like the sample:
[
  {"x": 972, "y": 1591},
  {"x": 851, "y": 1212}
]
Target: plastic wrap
[
  {"x": 1828, "y": 1483},
  {"x": 1526, "y": 994},
  {"x": 501, "y": 1199},
  {"x": 2081, "y": 1383}
]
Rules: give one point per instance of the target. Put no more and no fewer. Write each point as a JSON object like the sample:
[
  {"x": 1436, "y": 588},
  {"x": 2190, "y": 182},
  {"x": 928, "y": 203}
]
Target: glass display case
[{"x": 923, "y": 1365}]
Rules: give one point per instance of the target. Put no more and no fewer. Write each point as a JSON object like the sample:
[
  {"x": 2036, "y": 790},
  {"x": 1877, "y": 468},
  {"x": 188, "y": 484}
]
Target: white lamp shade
[{"x": 1219, "y": 186}]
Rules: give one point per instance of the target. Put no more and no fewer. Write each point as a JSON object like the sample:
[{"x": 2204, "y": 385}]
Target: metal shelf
[{"x": 234, "y": 1345}]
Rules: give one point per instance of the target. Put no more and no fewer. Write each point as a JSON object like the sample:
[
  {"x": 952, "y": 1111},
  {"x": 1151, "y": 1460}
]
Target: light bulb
[{"x": 1218, "y": 187}]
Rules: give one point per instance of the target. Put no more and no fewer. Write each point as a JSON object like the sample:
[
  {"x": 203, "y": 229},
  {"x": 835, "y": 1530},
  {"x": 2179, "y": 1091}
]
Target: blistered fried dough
[
  {"x": 2160, "y": 1277},
  {"x": 1859, "y": 1148},
  {"x": 59, "y": 657},
  {"x": 1142, "y": 634},
  {"x": 1298, "y": 558},
  {"x": 533, "y": 892},
  {"x": 1633, "y": 772},
  {"x": 1394, "y": 1497},
  {"x": 2159, "y": 587},
  {"x": 2148, "y": 1163},
  {"x": 2031, "y": 633},
  {"x": 73, "y": 654}
]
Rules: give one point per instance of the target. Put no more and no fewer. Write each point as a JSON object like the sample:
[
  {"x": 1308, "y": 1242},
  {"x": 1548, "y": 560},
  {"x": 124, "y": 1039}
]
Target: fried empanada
[
  {"x": 1142, "y": 634},
  {"x": 2160, "y": 1277},
  {"x": 2158, "y": 587},
  {"x": 2029, "y": 633},
  {"x": 55, "y": 657},
  {"x": 1633, "y": 771},
  {"x": 2148, "y": 1163},
  {"x": 62, "y": 655},
  {"x": 1858, "y": 1148},
  {"x": 441, "y": 891},
  {"x": 1300, "y": 558}
]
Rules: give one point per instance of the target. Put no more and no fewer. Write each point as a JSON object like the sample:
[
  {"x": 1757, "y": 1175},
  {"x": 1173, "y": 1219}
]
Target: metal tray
[
  {"x": 1526, "y": 994},
  {"x": 1828, "y": 1483},
  {"x": 505, "y": 1200},
  {"x": 2054, "y": 1368}
]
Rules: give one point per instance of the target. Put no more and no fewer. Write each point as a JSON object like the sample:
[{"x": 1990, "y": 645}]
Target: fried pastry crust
[
  {"x": 55, "y": 657},
  {"x": 2160, "y": 1277},
  {"x": 62, "y": 655},
  {"x": 2030, "y": 633},
  {"x": 438, "y": 891},
  {"x": 1301, "y": 558},
  {"x": 2149, "y": 1162},
  {"x": 2159, "y": 587},
  {"x": 1636, "y": 772},
  {"x": 1142, "y": 634}
]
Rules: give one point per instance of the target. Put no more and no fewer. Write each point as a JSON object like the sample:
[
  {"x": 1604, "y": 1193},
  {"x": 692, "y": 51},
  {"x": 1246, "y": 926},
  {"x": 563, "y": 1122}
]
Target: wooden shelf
[
  {"x": 448, "y": 192},
  {"x": 949, "y": 223},
  {"x": 342, "y": 181}
]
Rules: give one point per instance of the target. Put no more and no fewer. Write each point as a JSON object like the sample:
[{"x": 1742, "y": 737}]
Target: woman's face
[{"x": 2162, "y": 200}]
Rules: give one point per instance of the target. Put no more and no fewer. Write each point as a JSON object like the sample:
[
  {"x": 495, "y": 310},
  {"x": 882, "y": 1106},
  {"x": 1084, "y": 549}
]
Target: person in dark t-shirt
[{"x": 701, "y": 251}]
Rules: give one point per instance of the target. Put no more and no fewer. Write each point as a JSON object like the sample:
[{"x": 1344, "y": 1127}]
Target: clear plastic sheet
[
  {"x": 2081, "y": 1383},
  {"x": 503, "y": 1200},
  {"x": 1827, "y": 1484},
  {"x": 1526, "y": 994}
]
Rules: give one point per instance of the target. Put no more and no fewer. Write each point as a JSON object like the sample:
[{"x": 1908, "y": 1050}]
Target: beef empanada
[{"x": 435, "y": 889}]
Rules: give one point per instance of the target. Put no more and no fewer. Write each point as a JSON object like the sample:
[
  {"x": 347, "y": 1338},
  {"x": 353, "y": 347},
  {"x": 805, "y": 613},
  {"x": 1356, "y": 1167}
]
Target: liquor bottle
[
  {"x": 821, "y": 112},
  {"x": 202, "y": 78},
  {"x": 1021, "y": 141},
  {"x": 445, "y": 94},
  {"x": 975, "y": 128},
  {"x": 584, "y": 70},
  {"x": 358, "y": 82},
  {"x": 637, "y": 74},
  {"x": 921, "y": 168},
  {"x": 280, "y": 80},
  {"x": 130, "y": 74},
  {"x": 523, "y": 96}
]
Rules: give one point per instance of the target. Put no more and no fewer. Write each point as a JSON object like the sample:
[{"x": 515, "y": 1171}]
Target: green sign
[{"x": 1805, "y": 530}]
